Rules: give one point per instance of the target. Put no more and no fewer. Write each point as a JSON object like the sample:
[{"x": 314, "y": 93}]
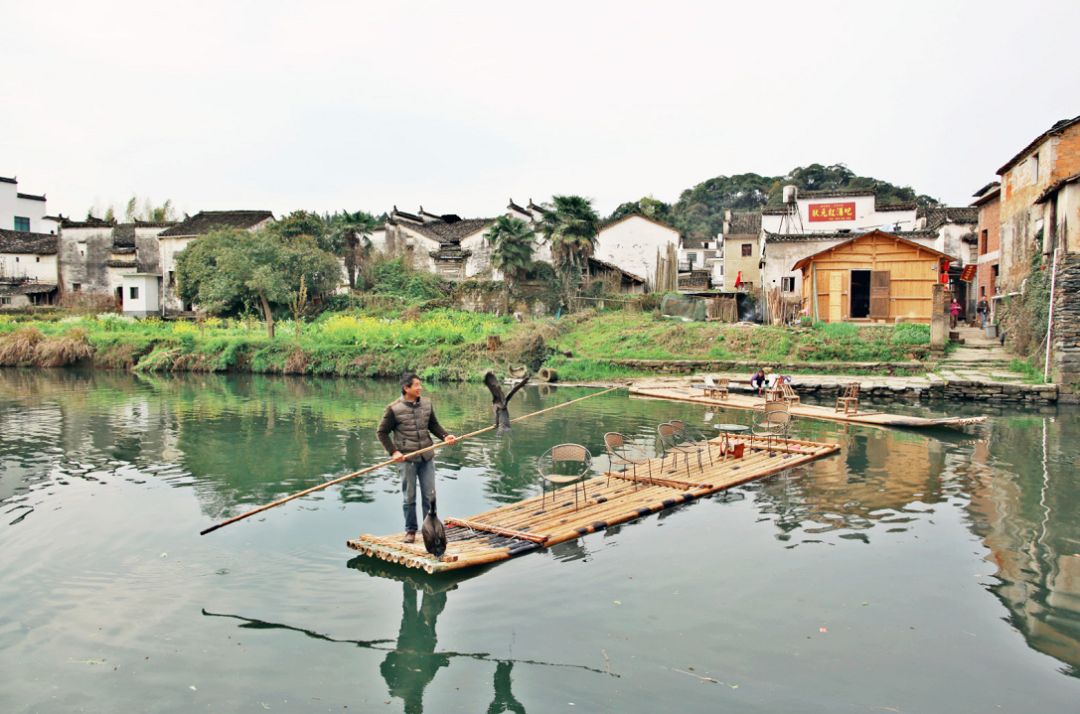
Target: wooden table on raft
[
  {"x": 525, "y": 526},
  {"x": 809, "y": 411}
]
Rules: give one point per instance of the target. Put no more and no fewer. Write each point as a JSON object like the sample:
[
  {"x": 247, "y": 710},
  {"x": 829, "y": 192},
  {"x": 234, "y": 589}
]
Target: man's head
[{"x": 410, "y": 387}]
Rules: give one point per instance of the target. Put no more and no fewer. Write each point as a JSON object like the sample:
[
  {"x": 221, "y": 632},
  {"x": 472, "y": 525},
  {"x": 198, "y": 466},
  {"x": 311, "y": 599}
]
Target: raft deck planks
[
  {"x": 808, "y": 411},
  {"x": 612, "y": 498}
]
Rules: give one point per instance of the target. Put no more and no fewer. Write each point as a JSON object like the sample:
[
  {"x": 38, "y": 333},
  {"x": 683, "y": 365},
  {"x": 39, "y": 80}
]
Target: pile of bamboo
[
  {"x": 612, "y": 498},
  {"x": 780, "y": 310}
]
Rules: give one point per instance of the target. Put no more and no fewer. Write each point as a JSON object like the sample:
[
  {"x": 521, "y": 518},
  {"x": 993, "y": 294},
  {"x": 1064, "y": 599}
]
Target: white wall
[
  {"x": 148, "y": 300},
  {"x": 36, "y": 267},
  {"x": 632, "y": 245},
  {"x": 866, "y": 217},
  {"x": 11, "y": 205},
  {"x": 479, "y": 261},
  {"x": 780, "y": 256}
]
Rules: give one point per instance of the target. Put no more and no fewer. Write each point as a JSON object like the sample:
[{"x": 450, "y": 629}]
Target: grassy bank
[{"x": 441, "y": 343}]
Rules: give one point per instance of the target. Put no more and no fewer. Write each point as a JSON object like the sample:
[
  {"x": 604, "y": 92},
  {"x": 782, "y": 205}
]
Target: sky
[{"x": 458, "y": 107}]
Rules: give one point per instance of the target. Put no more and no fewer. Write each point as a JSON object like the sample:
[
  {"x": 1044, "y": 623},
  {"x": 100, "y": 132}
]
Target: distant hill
[{"x": 699, "y": 212}]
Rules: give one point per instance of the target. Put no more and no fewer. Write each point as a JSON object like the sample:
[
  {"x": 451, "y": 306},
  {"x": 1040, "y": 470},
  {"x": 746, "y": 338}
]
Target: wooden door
[
  {"x": 836, "y": 295},
  {"x": 880, "y": 287}
]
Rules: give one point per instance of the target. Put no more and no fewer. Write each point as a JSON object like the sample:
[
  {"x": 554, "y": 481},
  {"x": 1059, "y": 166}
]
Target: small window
[
  {"x": 16, "y": 259},
  {"x": 76, "y": 287},
  {"x": 747, "y": 250},
  {"x": 37, "y": 258},
  {"x": 5, "y": 300},
  {"x": 172, "y": 279},
  {"x": 984, "y": 242},
  {"x": 787, "y": 285},
  {"x": 22, "y": 223},
  {"x": 133, "y": 293},
  {"x": 1034, "y": 168}
]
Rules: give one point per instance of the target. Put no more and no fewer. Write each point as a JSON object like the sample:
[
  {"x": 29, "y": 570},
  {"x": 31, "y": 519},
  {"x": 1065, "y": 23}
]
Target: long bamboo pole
[{"x": 389, "y": 462}]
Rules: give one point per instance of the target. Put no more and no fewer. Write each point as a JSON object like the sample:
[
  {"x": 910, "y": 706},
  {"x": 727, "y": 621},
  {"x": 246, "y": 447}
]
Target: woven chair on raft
[
  {"x": 848, "y": 402},
  {"x": 773, "y": 421},
  {"x": 675, "y": 440},
  {"x": 716, "y": 388},
  {"x": 625, "y": 453},
  {"x": 565, "y": 464}
]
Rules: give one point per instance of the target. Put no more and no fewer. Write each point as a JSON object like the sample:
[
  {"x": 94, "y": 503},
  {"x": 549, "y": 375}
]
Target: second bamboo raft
[{"x": 611, "y": 498}]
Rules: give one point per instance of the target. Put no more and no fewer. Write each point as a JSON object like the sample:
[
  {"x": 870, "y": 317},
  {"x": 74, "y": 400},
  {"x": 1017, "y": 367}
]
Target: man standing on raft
[{"x": 412, "y": 421}]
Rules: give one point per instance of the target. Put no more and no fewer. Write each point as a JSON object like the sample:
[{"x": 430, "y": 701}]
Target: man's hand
[
  {"x": 450, "y": 439},
  {"x": 397, "y": 456}
]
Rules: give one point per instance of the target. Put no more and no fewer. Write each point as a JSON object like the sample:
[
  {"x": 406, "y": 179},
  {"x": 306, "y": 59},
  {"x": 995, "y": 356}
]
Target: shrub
[
  {"x": 63, "y": 350},
  {"x": 20, "y": 346}
]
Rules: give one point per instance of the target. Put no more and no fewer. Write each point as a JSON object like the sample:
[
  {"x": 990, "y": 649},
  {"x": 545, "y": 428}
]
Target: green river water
[{"x": 912, "y": 572}]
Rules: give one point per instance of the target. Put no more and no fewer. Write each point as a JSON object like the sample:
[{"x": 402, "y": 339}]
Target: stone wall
[
  {"x": 1066, "y": 338},
  {"x": 957, "y": 390}
]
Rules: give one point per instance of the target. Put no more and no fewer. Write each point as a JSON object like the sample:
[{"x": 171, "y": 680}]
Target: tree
[
  {"x": 305, "y": 223},
  {"x": 645, "y": 206},
  {"x": 352, "y": 231},
  {"x": 229, "y": 271},
  {"x": 512, "y": 243},
  {"x": 571, "y": 225},
  {"x": 149, "y": 212}
]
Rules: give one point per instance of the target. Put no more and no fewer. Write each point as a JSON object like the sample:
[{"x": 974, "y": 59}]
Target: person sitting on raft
[{"x": 757, "y": 381}]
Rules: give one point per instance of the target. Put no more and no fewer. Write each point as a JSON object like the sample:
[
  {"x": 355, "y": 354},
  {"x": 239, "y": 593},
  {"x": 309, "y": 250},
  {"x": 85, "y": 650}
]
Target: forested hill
[{"x": 699, "y": 211}]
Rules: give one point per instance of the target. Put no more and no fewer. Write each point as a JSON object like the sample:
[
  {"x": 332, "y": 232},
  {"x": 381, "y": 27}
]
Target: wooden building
[{"x": 876, "y": 276}]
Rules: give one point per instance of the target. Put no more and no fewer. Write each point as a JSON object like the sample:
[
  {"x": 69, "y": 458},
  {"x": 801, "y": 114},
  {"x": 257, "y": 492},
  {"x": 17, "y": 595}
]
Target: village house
[
  {"x": 175, "y": 239},
  {"x": 811, "y": 221},
  {"x": 1029, "y": 220},
  {"x": 96, "y": 255},
  {"x": 741, "y": 252},
  {"x": 875, "y": 276},
  {"x": 633, "y": 244},
  {"x": 28, "y": 269},
  {"x": 24, "y": 212},
  {"x": 988, "y": 231},
  {"x": 452, "y": 247},
  {"x": 954, "y": 231}
]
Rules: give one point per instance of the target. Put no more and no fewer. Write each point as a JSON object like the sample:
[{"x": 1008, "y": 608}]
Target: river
[{"x": 912, "y": 572}]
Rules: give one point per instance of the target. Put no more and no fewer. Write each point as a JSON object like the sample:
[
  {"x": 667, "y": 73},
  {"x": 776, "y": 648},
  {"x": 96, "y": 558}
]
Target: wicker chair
[
  {"x": 848, "y": 402},
  {"x": 621, "y": 451},
  {"x": 773, "y": 422},
  {"x": 565, "y": 464},
  {"x": 674, "y": 441},
  {"x": 716, "y": 389}
]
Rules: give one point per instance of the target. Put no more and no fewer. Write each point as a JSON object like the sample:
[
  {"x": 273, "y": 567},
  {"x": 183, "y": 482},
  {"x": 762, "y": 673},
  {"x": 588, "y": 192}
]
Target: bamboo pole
[{"x": 388, "y": 462}]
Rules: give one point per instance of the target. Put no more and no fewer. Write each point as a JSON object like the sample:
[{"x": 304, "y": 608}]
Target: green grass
[{"x": 1030, "y": 373}]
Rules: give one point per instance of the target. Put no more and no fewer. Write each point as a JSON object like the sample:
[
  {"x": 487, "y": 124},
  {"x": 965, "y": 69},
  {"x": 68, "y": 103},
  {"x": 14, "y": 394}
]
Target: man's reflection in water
[
  {"x": 504, "y": 701},
  {"x": 411, "y": 667}
]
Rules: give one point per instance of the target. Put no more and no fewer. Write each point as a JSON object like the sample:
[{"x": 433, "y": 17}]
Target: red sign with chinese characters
[
  {"x": 832, "y": 212},
  {"x": 969, "y": 273}
]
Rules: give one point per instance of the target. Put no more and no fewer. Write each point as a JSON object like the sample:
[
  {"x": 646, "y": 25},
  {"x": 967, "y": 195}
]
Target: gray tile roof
[
  {"x": 30, "y": 196},
  {"x": 90, "y": 222},
  {"x": 205, "y": 221},
  {"x": 451, "y": 232},
  {"x": 32, "y": 243},
  {"x": 836, "y": 193},
  {"x": 810, "y": 237},
  {"x": 1058, "y": 127},
  {"x": 26, "y": 288},
  {"x": 745, "y": 223},
  {"x": 939, "y": 216}
]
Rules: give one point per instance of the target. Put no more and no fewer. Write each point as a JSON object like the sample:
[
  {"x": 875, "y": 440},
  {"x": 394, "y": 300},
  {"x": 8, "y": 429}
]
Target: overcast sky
[{"x": 459, "y": 106}]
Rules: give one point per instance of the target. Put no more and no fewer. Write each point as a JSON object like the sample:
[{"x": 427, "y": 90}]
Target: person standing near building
[
  {"x": 411, "y": 419},
  {"x": 983, "y": 309},
  {"x": 954, "y": 313}
]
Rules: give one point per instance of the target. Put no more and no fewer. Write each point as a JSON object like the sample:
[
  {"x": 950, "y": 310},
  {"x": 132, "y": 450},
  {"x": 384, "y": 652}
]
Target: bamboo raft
[
  {"x": 877, "y": 419},
  {"x": 611, "y": 498}
]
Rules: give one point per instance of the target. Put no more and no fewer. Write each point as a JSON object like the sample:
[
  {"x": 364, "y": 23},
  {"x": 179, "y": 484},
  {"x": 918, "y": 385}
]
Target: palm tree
[
  {"x": 352, "y": 231},
  {"x": 571, "y": 225},
  {"x": 512, "y": 243}
]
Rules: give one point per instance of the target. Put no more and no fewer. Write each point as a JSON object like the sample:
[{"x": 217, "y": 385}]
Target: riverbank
[{"x": 443, "y": 344}]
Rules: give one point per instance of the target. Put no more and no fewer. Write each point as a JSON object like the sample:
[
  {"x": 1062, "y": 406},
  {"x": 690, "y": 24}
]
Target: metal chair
[
  {"x": 674, "y": 441},
  {"x": 620, "y": 451},
  {"x": 774, "y": 422},
  {"x": 565, "y": 464},
  {"x": 849, "y": 399}
]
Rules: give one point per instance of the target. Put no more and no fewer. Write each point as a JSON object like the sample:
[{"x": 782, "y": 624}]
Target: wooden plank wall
[{"x": 912, "y": 275}]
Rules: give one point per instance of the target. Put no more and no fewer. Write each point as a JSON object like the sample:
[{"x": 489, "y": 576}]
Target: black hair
[{"x": 407, "y": 380}]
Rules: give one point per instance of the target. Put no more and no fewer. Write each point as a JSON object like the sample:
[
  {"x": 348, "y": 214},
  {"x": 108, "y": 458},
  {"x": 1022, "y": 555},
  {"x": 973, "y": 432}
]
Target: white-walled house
[
  {"x": 28, "y": 269},
  {"x": 633, "y": 243},
  {"x": 95, "y": 254},
  {"x": 452, "y": 247},
  {"x": 175, "y": 239},
  {"x": 24, "y": 212},
  {"x": 141, "y": 294}
]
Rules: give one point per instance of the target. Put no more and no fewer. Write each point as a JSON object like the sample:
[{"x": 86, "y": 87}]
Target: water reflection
[{"x": 413, "y": 659}]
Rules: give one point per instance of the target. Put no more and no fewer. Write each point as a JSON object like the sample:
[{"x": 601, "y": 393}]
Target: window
[
  {"x": 22, "y": 223},
  {"x": 172, "y": 279},
  {"x": 16, "y": 259},
  {"x": 747, "y": 250},
  {"x": 984, "y": 242},
  {"x": 133, "y": 293},
  {"x": 690, "y": 258},
  {"x": 5, "y": 300},
  {"x": 37, "y": 258},
  {"x": 76, "y": 287},
  {"x": 1034, "y": 163},
  {"x": 787, "y": 285}
]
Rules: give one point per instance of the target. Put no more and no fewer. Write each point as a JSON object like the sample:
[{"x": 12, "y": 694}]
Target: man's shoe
[{"x": 410, "y": 537}]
